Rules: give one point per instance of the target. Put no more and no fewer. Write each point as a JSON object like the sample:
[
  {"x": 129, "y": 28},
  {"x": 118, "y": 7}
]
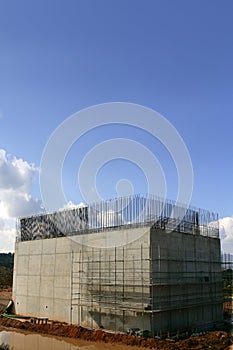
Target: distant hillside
[
  {"x": 6, "y": 269},
  {"x": 6, "y": 277},
  {"x": 7, "y": 260}
]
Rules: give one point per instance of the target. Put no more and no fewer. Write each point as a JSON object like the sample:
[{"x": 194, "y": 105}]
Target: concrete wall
[
  {"x": 42, "y": 278},
  {"x": 160, "y": 281},
  {"x": 187, "y": 281},
  {"x": 65, "y": 280}
]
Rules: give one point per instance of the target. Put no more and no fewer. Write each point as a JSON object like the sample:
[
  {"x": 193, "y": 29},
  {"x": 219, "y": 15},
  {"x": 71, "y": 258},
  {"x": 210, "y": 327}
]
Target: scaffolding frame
[
  {"x": 122, "y": 284},
  {"x": 227, "y": 279}
]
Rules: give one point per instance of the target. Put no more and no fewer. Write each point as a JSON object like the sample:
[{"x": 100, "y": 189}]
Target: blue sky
[{"x": 58, "y": 57}]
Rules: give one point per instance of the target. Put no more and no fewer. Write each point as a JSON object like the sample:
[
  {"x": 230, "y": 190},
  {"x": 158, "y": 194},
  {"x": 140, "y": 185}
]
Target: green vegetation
[
  {"x": 6, "y": 270},
  {"x": 7, "y": 260},
  {"x": 6, "y": 277},
  {"x": 227, "y": 284},
  {"x": 4, "y": 346}
]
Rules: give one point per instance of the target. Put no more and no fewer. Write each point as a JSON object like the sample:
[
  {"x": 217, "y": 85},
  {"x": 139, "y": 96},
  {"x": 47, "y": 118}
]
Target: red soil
[{"x": 212, "y": 340}]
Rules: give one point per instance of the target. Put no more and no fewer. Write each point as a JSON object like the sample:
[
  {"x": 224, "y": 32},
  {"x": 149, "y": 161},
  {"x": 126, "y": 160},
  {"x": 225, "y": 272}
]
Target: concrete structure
[{"x": 163, "y": 281}]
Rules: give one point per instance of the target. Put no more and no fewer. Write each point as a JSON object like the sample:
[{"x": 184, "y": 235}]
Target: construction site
[{"x": 134, "y": 264}]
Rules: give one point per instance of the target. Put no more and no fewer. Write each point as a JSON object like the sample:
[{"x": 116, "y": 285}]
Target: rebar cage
[{"x": 124, "y": 212}]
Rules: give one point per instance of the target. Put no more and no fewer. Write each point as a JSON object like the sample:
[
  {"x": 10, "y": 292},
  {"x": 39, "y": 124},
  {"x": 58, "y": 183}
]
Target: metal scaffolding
[
  {"x": 227, "y": 278},
  {"x": 109, "y": 288},
  {"x": 105, "y": 282}
]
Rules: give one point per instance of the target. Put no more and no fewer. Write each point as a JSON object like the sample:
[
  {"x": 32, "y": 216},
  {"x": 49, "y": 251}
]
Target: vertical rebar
[
  {"x": 115, "y": 286},
  {"x": 100, "y": 289},
  {"x": 72, "y": 284},
  {"x": 142, "y": 282},
  {"x": 79, "y": 292},
  {"x": 123, "y": 288},
  {"x": 81, "y": 280},
  {"x": 92, "y": 286},
  {"x": 152, "y": 288}
]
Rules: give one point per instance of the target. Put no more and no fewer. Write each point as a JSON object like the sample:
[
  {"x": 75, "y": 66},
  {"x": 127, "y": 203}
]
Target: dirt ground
[
  {"x": 5, "y": 296},
  {"x": 212, "y": 340}
]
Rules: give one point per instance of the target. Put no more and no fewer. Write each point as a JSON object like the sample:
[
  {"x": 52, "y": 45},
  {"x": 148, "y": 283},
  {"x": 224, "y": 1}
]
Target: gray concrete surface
[{"x": 160, "y": 282}]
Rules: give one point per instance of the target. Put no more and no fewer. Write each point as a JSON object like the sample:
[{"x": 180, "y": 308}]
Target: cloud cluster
[
  {"x": 226, "y": 234},
  {"x": 16, "y": 178},
  {"x": 16, "y": 200}
]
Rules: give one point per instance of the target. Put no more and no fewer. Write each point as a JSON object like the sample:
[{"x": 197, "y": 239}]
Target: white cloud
[
  {"x": 16, "y": 177},
  {"x": 71, "y": 205},
  {"x": 226, "y": 234}
]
